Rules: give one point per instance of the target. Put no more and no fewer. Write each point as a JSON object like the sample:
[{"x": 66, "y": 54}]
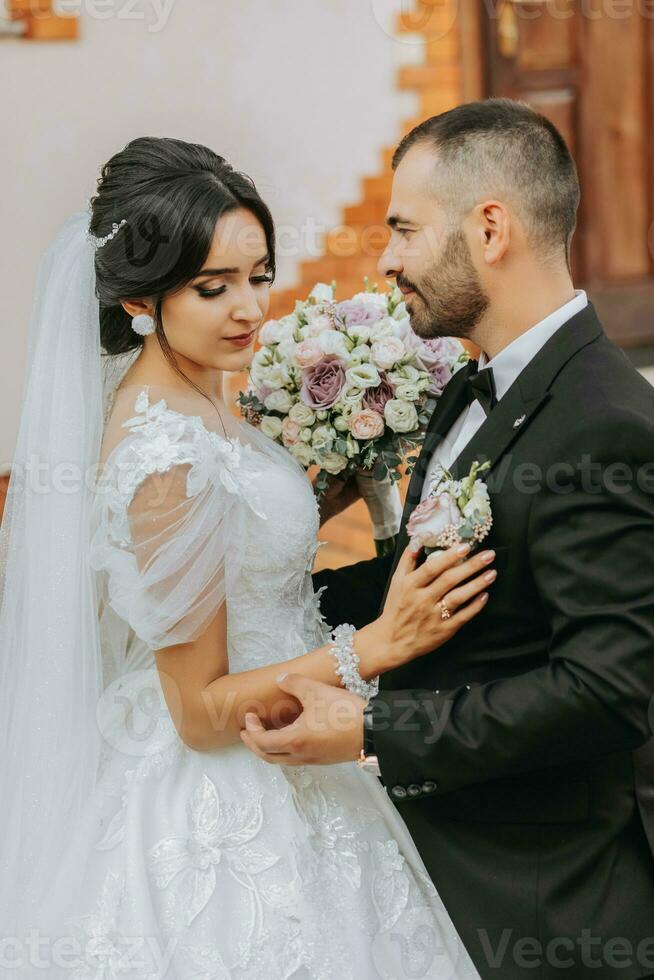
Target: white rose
[
  {"x": 334, "y": 344},
  {"x": 278, "y": 401},
  {"x": 268, "y": 332},
  {"x": 333, "y": 462},
  {"x": 377, "y": 300},
  {"x": 401, "y": 416},
  {"x": 285, "y": 350},
  {"x": 360, "y": 354},
  {"x": 322, "y": 415},
  {"x": 387, "y": 352},
  {"x": 305, "y": 434},
  {"x": 271, "y": 426},
  {"x": 479, "y": 501},
  {"x": 407, "y": 391},
  {"x": 387, "y": 327},
  {"x": 363, "y": 376},
  {"x": 318, "y": 322},
  {"x": 302, "y": 414},
  {"x": 302, "y": 453},
  {"x": 341, "y": 424},
  {"x": 274, "y": 377},
  {"x": 287, "y": 326},
  {"x": 352, "y": 447},
  {"x": 406, "y": 373},
  {"x": 360, "y": 333},
  {"x": 350, "y": 396},
  {"x": 322, "y": 293},
  {"x": 323, "y": 438}
]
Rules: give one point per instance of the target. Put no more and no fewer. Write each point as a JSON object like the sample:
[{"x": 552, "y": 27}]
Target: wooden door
[{"x": 589, "y": 67}]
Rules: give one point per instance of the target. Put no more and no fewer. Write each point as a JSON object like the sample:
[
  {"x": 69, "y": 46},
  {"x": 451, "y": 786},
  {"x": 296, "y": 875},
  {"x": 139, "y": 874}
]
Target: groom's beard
[{"x": 451, "y": 300}]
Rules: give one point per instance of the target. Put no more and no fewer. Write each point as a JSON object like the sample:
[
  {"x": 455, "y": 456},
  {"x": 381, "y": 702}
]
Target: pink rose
[
  {"x": 322, "y": 384},
  {"x": 432, "y": 517},
  {"x": 367, "y": 425},
  {"x": 376, "y": 398},
  {"x": 290, "y": 432},
  {"x": 387, "y": 351},
  {"x": 308, "y": 353}
]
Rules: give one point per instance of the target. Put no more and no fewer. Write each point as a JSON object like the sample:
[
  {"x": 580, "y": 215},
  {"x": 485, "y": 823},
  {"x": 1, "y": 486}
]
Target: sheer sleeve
[{"x": 171, "y": 523}]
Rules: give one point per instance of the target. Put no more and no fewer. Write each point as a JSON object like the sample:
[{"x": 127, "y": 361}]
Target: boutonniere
[{"x": 455, "y": 512}]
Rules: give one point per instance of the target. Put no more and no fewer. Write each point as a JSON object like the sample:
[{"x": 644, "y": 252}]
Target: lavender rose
[
  {"x": 323, "y": 383},
  {"x": 356, "y": 314},
  {"x": 436, "y": 356},
  {"x": 376, "y": 398},
  {"x": 440, "y": 375}
]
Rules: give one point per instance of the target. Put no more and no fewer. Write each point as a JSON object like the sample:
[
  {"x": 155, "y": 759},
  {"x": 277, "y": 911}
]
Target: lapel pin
[{"x": 518, "y": 422}]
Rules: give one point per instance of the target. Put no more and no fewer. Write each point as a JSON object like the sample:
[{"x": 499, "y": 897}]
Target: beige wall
[{"x": 298, "y": 93}]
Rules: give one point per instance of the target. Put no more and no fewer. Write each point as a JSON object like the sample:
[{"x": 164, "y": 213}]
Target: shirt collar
[{"x": 510, "y": 361}]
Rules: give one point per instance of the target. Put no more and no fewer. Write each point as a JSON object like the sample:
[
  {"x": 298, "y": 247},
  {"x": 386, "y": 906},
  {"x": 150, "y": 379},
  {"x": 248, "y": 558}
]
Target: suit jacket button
[
  {"x": 414, "y": 790},
  {"x": 399, "y": 792},
  {"x": 429, "y": 787}
]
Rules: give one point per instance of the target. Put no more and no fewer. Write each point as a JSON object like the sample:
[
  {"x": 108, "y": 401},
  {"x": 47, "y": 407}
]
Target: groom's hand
[{"x": 329, "y": 730}]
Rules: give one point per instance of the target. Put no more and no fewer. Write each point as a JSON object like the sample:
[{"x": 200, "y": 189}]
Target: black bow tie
[{"x": 481, "y": 388}]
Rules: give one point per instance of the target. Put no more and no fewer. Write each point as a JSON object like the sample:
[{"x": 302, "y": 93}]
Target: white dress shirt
[{"x": 507, "y": 365}]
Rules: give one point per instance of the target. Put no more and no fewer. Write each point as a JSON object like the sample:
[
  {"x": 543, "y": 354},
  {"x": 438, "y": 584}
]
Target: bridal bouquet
[
  {"x": 348, "y": 387},
  {"x": 454, "y": 512}
]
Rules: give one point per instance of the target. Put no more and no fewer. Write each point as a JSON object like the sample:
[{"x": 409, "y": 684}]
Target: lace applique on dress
[{"x": 167, "y": 438}]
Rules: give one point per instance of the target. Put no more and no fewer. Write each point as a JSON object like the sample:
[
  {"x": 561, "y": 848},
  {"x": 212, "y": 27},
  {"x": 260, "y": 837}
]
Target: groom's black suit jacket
[{"x": 520, "y": 753}]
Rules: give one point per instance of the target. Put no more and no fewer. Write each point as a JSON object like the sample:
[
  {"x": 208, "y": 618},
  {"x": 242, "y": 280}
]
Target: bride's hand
[{"x": 412, "y": 622}]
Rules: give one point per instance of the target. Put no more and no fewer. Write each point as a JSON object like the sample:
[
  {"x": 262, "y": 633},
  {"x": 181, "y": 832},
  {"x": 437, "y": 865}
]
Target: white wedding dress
[{"x": 191, "y": 865}]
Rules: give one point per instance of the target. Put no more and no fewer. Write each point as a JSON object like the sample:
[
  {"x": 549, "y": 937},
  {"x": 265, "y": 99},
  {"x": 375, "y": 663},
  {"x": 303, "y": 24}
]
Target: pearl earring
[{"x": 143, "y": 324}]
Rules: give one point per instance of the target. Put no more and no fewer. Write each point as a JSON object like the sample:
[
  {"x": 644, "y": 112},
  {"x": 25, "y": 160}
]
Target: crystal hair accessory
[
  {"x": 143, "y": 324},
  {"x": 115, "y": 228}
]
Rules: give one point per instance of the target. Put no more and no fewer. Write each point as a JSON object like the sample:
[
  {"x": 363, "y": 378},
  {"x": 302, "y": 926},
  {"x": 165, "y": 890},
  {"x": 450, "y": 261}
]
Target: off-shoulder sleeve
[{"x": 175, "y": 499}]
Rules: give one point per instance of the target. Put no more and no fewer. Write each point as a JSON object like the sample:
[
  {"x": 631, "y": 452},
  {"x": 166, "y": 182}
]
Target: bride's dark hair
[{"x": 171, "y": 194}]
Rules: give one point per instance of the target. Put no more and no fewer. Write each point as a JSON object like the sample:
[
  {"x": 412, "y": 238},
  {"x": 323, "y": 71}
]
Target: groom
[{"x": 520, "y": 753}]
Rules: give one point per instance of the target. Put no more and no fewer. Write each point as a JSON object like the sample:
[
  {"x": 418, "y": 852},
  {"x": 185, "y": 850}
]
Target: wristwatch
[{"x": 368, "y": 760}]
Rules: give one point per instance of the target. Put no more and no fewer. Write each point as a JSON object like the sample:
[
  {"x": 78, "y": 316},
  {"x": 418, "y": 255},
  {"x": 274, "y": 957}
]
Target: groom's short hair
[{"x": 505, "y": 149}]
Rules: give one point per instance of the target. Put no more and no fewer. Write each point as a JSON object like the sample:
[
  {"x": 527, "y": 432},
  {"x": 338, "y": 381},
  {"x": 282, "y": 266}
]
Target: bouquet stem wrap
[{"x": 384, "y": 505}]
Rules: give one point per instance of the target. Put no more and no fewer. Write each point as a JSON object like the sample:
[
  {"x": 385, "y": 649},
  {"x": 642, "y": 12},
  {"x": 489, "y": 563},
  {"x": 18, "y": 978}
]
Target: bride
[{"x": 156, "y": 560}]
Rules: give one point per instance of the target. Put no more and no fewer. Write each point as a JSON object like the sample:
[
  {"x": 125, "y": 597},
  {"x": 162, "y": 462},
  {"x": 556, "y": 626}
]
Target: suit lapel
[
  {"x": 510, "y": 418},
  {"x": 448, "y": 408}
]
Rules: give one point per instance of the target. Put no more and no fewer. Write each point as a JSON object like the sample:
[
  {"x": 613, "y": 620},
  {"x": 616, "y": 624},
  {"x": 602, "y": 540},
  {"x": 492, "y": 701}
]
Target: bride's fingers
[
  {"x": 466, "y": 613},
  {"x": 464, "y": 593},
  {"x": 459, "y": 572},
  {"x": 408, "y": 559},
  {"x": 438, "y": 563}
]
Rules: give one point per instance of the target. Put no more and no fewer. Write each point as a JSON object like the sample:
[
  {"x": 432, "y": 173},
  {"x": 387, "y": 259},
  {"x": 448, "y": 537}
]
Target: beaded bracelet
[{"x": 348, "y": 663}]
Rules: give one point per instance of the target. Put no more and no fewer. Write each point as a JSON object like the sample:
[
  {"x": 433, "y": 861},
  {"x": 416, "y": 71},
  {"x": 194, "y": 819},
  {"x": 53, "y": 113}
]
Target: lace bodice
[{"x": 238, "y": 494}]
